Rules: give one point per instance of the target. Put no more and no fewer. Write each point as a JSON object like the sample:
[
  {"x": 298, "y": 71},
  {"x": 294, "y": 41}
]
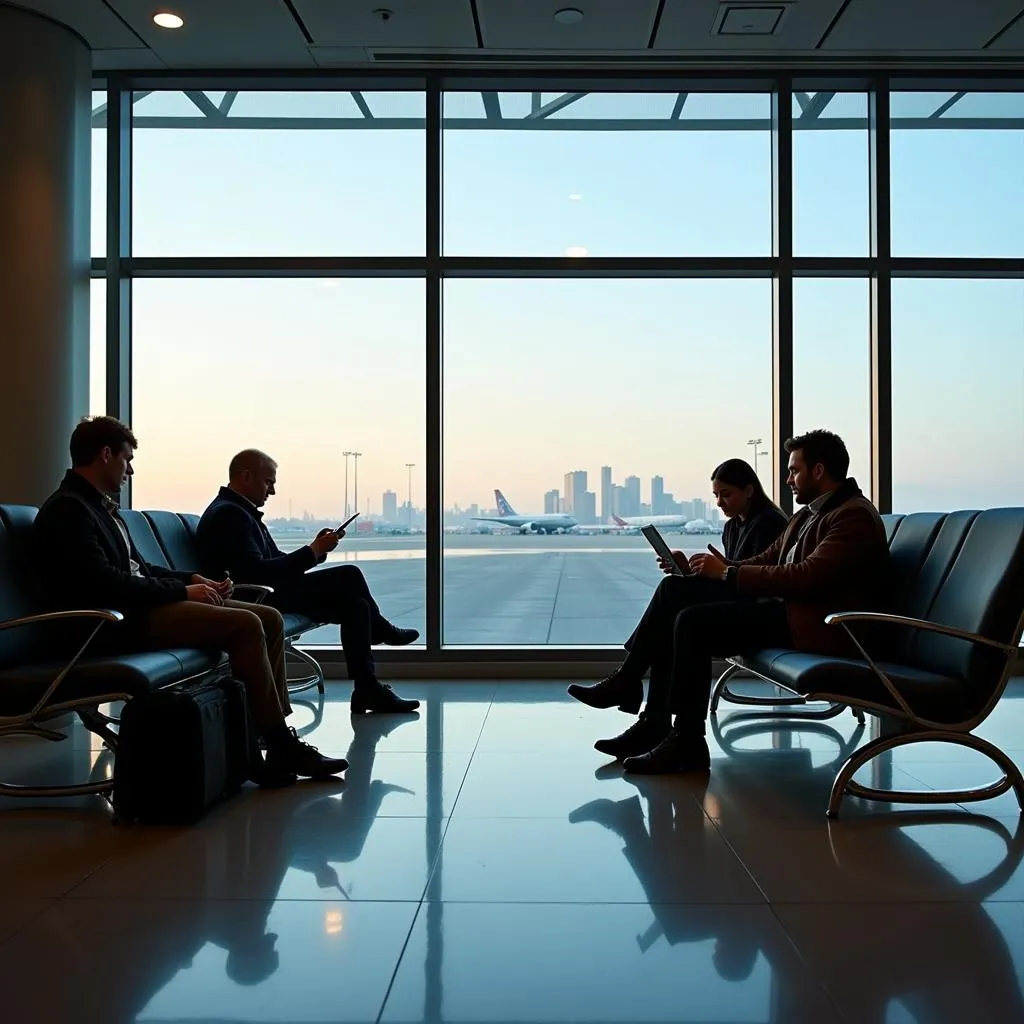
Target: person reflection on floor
[{"x": 335, "y": 829}]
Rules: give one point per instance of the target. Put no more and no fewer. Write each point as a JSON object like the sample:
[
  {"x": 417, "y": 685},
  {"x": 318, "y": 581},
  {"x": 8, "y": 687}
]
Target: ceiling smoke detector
[{"x": 569, "y": 16}]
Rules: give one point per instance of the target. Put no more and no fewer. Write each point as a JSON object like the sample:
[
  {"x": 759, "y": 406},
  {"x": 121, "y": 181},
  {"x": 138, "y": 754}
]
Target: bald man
[{"x": 233, "y": 537}]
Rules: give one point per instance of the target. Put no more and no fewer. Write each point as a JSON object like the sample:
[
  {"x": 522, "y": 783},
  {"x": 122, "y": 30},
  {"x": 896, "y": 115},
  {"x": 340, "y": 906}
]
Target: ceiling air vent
[{"x": 747, "y": 19}]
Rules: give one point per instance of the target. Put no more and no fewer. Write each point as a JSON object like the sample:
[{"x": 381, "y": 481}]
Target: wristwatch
[{"x": 730, "y": 574}]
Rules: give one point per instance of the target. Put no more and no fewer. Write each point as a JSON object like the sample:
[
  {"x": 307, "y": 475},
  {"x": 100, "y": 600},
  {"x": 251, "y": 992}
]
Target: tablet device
[
  {"x": 657, "y": 542},
  {"x": 344, "y": 524}
]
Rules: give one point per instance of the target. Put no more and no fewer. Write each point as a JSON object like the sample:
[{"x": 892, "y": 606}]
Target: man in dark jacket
[
  {"x": 833, "y": 556},
  {"x": 232, "y": 536},
  {"x": 85, "y": 558}
]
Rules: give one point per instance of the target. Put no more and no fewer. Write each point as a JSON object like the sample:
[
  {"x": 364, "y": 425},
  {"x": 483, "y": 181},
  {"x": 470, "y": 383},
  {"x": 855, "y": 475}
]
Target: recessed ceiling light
[
  {"x": 167, "y": 19},
  {"x": 576, "y": 250},
  {"x": 575, "y": 196},
  {"x": 569, "y": 16}
]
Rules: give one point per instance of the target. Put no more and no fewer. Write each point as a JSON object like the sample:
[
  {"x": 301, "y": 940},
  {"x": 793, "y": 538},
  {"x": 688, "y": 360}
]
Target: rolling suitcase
[{"x": 180, "y": 750}]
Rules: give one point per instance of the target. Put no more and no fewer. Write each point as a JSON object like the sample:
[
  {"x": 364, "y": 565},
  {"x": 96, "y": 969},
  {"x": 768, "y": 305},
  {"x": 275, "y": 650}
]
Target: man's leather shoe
[
  {"x": 675, "y": 753},
  {"x": 616, "y": 690},
  {"x": 395, "y": 636},
  {"x": 270, "y": 776},
  {"x": 298, "y": 757},
  {"x": 381, "y": 699},
  {"x": 643, "y": 735}
]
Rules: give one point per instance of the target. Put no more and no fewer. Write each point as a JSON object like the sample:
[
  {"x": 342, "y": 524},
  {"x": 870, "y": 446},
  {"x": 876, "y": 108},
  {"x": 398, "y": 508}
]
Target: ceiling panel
[
  {"x": 221, "y": 33},
  {"x": 413, "y": 23},
  {"x": 1011, "y": 39},
  {"x": 531, "y": 25},
  {"x": 908, "y": 25},
  {"x": 127, "y": 60},
  {"x": 93, "y": 20},
  {"x": 686, "y": 25}
]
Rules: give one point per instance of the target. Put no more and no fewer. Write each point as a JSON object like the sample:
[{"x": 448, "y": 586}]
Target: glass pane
[
  {"x": 958, "y": 394},
  {"x": 607, "y": 174},
  {"x": 97, "y": 346},
  {"x": 304, "y": 370},
  {"x": 98, "y": 204},
  {"x": 832, "y": 365},
  {"x": 282, "y": 174},
  {"x": 831, "y": 178},
  {"x": 958, "y": 179},
  {"x": 587, "y": 400}
]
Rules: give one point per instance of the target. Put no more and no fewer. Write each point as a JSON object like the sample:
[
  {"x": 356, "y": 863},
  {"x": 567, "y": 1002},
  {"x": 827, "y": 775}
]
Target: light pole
[
  {"x": 346, "y": 454},
  {"x": 756, "y": 442},
  {"x": 355, "y": 496},
  {"x": 409, "y": 466}
]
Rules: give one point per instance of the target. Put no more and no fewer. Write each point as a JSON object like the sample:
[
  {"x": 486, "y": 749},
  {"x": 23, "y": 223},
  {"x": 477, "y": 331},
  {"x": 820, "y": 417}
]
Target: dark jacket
[
  {"x": 231, "y": 535},
  {"x": 756, "y": 534},
  {"x": 82, "y": 561},
  {"x": 842, "y": 564}
]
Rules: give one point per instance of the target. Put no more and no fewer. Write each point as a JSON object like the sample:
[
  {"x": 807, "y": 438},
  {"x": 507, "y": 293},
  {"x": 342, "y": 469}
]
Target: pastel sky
[{"x": 546, "y": 376}]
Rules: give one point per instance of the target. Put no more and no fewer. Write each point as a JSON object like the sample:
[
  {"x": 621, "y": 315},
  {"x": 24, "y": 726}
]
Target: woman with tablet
[{"x": 753, "y": 522}]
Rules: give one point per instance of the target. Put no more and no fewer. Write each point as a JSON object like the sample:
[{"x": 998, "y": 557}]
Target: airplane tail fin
[
  {"x": 619, "y": 521},
  {"x": 504, "y": 508}
]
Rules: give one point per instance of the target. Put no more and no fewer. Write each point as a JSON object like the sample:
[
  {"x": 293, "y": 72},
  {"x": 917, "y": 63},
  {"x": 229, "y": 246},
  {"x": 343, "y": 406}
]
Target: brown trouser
[{"x": 252, "y": 635}]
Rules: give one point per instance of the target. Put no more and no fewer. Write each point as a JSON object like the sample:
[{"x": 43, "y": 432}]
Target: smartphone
[{"x": 344, "y": 524}]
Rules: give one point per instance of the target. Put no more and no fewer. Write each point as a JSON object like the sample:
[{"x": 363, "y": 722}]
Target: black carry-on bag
[{"x": 181, "y": 750}]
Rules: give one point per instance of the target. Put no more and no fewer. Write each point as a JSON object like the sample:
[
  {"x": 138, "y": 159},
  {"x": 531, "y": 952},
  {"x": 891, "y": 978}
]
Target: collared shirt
[
  {"x": 111, "y": 507},
  {"x": 814, "y": 509}
]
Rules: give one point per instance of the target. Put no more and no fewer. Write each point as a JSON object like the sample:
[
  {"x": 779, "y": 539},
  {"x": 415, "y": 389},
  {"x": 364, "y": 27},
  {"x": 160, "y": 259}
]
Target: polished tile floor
[{"x": 482, "y": 863}]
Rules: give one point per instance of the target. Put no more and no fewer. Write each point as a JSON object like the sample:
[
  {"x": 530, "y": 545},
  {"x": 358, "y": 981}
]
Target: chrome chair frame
[
  {"x": 29, "y": 722},
  {"x": 765, "y": 705},
  {"x": 920, "y": 729}
]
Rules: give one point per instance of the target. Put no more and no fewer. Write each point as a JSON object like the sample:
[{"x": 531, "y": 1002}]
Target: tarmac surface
[{"x": 513, "y": 590}]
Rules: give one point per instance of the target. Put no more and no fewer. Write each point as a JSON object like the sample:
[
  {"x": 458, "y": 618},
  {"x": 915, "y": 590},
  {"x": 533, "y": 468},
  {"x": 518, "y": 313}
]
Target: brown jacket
[{"x": 842, "y": 564}]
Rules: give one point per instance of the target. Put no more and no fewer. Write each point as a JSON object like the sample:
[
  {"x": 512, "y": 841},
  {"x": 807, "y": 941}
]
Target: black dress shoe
[
  {"x": 643, "y": 735},
  {"x": 297, "y": 757},
  {"x": 395, "y": 636},
  {"x": 616, "y": 690},
  {"x": 675, "y": 753},
  {"x": 381, "y": 699}
]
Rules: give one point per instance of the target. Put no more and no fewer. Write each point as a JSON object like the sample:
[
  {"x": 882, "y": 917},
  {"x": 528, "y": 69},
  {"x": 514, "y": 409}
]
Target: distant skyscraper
[
  {"x": 574, "y": 489},
  {"x": 550, "y": 502},
  {"x": 389, "y": 507},
  {"x": 657, "y": 496},
  {"x": 619, "y": 500},
  {"x": 587, "y": 511},
  {"x": 606, "y": 494},
  {"x": 632, "y": 488}
]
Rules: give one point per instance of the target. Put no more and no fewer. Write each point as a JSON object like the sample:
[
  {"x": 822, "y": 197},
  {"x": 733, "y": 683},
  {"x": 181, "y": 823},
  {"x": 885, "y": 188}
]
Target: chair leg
[
  {"x": 765, "y": 705},
  {"x": 844, "y": 784},
  {"x": 316, "y": 676}
]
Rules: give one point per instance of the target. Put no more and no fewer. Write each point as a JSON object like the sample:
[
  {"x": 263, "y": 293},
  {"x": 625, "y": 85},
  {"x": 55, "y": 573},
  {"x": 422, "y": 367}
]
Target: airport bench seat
[
  {"x": 933, "y": 666},
  {"x": 169, "y": 539}
]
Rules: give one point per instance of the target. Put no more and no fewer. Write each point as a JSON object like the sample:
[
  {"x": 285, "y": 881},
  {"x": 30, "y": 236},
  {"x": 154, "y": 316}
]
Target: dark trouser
[
  {"x": 338, "y": 594},
  {"x": 691, "y": 620}
]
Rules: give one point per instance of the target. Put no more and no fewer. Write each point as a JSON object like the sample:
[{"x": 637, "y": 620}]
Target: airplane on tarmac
[
  {"x": 544, "y": 522},
  {"x": 680, "y": 523}
]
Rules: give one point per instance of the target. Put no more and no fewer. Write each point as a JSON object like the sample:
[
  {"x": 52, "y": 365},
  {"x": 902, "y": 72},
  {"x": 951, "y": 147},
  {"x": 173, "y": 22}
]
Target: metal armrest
[
  {"x": 261, "y": 592},
  {"x": 841, "y": 618},
  {"x": 103, "y": 614},
  {"x": 106, "y": 614}
]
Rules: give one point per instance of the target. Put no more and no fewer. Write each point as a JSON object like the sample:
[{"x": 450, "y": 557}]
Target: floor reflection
[{"x": 587, "y": 895}]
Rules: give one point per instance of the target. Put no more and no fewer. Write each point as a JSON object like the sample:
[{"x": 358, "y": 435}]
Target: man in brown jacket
[{"x": 833, "y": 556}]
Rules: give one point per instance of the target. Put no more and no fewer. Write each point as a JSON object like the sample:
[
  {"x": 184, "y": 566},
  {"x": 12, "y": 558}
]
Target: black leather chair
[
  {"x": 171, "y": 538},
  {"x": 38, "y": 682},
  {"x": 941, "y": 659}
]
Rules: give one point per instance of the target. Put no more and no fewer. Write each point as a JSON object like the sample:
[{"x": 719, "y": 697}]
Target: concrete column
[{"x": 45, "y": 156}]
